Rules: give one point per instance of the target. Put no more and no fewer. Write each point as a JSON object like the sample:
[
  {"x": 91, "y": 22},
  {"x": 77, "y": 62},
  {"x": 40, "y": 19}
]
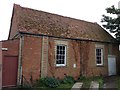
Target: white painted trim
[
  {"x": 65, "y": 56},
  {"x": 99, "y": 46},
  {"x": 64, "y": 43},
  {"x": 4, "y": 49}
]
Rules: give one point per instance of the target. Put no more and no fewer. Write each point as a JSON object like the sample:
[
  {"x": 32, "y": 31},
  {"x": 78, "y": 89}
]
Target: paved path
[
  {"x": 77, "y": 86},
  {"x": 94, "y": 85},
  {"x": 110, "y": 82}
]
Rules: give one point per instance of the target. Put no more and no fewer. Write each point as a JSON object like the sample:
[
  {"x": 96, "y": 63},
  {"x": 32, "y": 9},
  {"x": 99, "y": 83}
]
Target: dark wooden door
[{"x": 9, "y": 73}]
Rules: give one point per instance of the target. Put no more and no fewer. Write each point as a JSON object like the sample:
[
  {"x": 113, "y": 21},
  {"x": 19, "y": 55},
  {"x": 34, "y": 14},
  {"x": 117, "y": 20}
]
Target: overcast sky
[{"x": 88, "y": 10}]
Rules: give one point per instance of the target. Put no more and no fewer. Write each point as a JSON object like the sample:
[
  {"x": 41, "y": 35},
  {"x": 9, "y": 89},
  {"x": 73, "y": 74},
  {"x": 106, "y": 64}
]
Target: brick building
[{"x": 43, "y": 44}]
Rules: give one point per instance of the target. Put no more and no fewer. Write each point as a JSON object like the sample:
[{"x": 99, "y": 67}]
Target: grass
[
  {"x": 87, "y": 81},
  {"x": 118, "y": 83},
  {"x": 60, "y": 87},
  {"x": 65, "y": 86}
]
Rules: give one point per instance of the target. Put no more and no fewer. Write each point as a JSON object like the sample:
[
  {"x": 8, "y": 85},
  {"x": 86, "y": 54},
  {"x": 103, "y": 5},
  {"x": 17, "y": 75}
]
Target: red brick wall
[
  {"x": 73, "y": 57},
  {"x": 31, "y": 57},
  {"x": 14, "y": 21},
  {"x": 92, "y": 69},
  {"x": 76, "y": 51},
  {"x": 115, "y": 51},
  {"x": 13, "y": 47}
]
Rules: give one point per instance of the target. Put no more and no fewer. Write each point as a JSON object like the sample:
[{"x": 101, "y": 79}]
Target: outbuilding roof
[{"x": 40, "y": 22}]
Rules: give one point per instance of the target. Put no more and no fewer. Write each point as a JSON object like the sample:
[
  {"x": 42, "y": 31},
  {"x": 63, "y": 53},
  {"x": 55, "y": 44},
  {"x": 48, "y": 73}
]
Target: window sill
[
  {"x": 61, "y": 66},
  {"x": 99, "y": 65}
]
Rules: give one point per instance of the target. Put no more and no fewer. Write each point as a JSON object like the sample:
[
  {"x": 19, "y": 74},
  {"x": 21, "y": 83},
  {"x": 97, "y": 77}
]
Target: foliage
[
  {"x": 51, "y": 82},
  {"x": 118, "y": 83},
  {"x": 40, "y": 82},
  {"x": 87, "y": 80},
  {"x": 81, "y": 78},
  {"x": 112, "y": 23},
  {"x": 24, "y": 87},
  {"x": 65, "y": 86},
  {"x": 68, "y": 80}
]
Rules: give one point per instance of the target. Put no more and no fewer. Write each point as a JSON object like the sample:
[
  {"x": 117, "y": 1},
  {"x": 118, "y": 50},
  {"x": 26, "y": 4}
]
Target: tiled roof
[{"x": 39, "y": 22}]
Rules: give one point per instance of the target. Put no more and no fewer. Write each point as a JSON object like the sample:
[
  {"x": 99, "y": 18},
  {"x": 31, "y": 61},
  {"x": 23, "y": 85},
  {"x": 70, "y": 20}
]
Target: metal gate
[{"x": 9, "y": 71}]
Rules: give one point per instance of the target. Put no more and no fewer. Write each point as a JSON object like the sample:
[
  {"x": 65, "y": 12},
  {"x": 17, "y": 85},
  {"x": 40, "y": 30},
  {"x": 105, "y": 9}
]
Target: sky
[{"x": 88, "y": 10}]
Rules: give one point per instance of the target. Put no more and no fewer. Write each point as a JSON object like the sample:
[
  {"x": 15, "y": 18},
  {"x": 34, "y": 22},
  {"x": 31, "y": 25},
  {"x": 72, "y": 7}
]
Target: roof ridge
[{"x": 56, "y": 14}]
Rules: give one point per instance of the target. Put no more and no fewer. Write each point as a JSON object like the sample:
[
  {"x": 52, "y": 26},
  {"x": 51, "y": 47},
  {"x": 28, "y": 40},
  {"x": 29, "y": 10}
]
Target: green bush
[
  {"x": 51, "y": 82},
  {"x": 40, "y": 82},
  {"x": 68, "y": 80},
  {"x": 81, "y": 78}
]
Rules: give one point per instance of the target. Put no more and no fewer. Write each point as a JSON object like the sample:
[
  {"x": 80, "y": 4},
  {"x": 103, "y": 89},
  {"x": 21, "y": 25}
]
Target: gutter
[
  {"x": 81, "y": 60},
  {"x": 27, "y": 33}
]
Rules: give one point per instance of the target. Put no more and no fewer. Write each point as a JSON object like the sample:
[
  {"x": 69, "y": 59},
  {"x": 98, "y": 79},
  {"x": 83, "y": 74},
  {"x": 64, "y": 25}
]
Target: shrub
[
  {"x": 81, "y": 78},
  {"x": 40, "y": 82},
  {"x": 51, "y": 82},
  {"x": 68, "y": 80}
]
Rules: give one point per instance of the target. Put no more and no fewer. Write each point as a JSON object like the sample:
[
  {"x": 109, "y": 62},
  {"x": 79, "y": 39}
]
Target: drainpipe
[
  {"x": 19, "y": 81},
  {"x": 1, "y": 65},
  {"x": 81, "y": 59}
]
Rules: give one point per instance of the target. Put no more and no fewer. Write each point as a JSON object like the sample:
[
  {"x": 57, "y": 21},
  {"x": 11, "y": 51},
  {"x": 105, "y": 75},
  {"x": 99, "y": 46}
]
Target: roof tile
[{"x": 40, "y": 22}]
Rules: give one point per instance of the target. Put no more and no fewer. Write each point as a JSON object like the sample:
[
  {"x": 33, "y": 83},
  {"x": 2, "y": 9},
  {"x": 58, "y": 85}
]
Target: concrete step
[
  {"x": 94, "y": 85},
  {"x": 77, "y": 86}
]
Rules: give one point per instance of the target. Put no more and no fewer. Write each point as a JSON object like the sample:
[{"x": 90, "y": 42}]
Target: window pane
[
  {"x": 57, "y": 47},
  {"x": 57, "y": 51},
  {"x": 60, "y": 52},
  {"x": 99, "y": 55},
  {"x": 64, "y": 48},
  {"x": 62, "y": 61},
  {"x": 57, "y": 57},
  {"x": 60, "y": 47},
  {"x": 58, "y": 62},
  {"x": 60, "y": 55}
]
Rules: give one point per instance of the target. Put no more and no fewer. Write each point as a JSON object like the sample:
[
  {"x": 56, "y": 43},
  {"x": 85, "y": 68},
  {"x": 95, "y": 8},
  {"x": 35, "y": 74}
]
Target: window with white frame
[
  {"x": 60, "y": 55},
  {"x": 99, "y": 56}
]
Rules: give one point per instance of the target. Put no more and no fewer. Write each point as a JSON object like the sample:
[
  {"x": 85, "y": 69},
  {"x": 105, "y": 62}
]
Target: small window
[
  {"x": 60, "y": 55},
  {"x": 99, "y": 56}
]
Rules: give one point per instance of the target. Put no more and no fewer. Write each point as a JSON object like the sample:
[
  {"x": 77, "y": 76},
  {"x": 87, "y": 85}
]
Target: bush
[
  {"x": 40, "y": 82},
  {"x": 81, "y": 78},
  {"x": 51, "y": 82},
  {"x": 68, "y": 80}
]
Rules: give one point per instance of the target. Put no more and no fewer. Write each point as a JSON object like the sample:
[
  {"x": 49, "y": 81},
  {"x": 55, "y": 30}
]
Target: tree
[{"x": 112, "y": 23}]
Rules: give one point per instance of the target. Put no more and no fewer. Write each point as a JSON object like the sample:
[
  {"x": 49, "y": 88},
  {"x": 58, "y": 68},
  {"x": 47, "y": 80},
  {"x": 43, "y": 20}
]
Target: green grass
[
  {"x": 61, "y": 86},
  {"x": 87, "y": 81},
  {"x": 118, "y": 83},
  {"x": 65, "y": 86}
]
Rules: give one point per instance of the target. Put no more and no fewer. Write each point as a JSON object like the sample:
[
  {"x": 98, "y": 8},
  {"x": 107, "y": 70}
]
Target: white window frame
[
  {"x": 65, "y": 55},
  {"x": 102, "y": 54}
]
